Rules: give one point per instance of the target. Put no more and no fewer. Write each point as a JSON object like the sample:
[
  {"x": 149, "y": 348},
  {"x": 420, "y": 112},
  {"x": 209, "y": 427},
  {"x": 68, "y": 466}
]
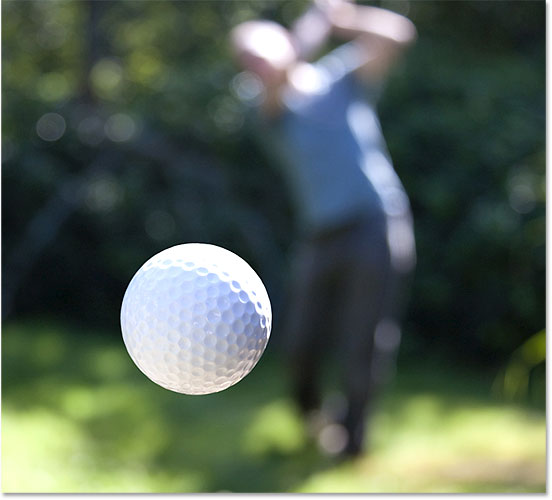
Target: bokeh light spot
[
  {"x": 333, "y": 439},
  {"x": 50, "y": 127},
  {"x": 522, "y": 187},
  {"x": 120, "y": 127},
  {"x": 247, "y": 87},
  {"x": 103, "y": 193},
  {"x": 145, "y": 67},
  {"x": 53, "y": 87},
  {"x": 226, "y": 114},
  {"x": 106, "y": 78}
]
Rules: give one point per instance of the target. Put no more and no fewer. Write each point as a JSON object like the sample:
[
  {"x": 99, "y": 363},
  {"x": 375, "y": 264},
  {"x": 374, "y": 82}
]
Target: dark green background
[{"x": 464, "y": 118}]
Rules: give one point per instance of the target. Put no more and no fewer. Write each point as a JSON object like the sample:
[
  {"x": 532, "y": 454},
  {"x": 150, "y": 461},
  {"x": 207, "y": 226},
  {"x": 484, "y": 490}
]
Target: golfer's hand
[{"x": 334, "y": 9}]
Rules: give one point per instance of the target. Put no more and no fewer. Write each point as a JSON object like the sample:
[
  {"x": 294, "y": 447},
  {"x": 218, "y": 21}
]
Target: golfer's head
[{"x": 265, "y": 48}]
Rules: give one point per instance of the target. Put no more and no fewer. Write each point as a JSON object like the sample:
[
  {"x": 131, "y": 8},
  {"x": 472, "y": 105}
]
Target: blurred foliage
[
  {"x": 79, "y": 417},
  {"x": 526, "y": 364},
  {"x": 465, "y": 122},
  {"x": 122, "y": 135}
]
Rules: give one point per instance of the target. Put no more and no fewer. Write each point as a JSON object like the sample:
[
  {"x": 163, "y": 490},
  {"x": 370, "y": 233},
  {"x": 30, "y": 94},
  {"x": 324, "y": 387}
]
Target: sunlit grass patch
[
  {"x": 275, "y": 427},
  {"x": 78, "y": 416},
  {"x": 428, "y": 446},
  {"x": 46, "y": 452}
]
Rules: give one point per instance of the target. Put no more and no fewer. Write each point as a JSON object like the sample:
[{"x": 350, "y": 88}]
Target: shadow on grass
[{"x": 78, "y": 416}]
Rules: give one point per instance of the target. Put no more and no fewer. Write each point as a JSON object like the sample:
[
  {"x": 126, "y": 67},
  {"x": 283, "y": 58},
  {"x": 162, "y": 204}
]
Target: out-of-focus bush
[
  {"x": 465, "y": 122},
  {"x": 122, "y": 135}
]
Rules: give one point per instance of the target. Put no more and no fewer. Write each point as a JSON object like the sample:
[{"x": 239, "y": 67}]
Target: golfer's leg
[
  {"x": 361, "y": 309},
  {"x": 305, "y": 323}
]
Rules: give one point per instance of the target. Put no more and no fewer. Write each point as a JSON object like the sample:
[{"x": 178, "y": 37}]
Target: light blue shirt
[{"x": 331, "y": 149}]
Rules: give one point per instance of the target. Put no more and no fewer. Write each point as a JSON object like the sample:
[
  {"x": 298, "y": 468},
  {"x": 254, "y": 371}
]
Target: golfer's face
[
  {"x": 269, "y": 74},
  {"x": 268, "y": 53}
]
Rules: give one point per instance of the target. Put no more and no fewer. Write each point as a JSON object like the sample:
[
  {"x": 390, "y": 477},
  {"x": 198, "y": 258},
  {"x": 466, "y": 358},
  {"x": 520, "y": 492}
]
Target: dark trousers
[{"x": 349, "y": 283}]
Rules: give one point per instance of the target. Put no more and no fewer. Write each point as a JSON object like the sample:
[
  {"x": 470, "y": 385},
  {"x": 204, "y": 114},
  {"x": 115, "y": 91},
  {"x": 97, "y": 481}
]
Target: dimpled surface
[{"x": 196, "y": 318}]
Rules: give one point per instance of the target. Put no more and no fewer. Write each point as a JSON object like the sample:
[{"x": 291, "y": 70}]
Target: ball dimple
[
  {"x": 223, "y": 303},
  {"x": 196, "y": 361},
  {"x": 211, "y": 303},
  {"x": 184, "y": 355},
  {"x": 199, "y": 322},
  {"x": 209, "y": 369},
  {"x": 200, "y": 281},
  {"x": 209, "y": 355},
  {"x": 195, "y": 318},
  {"x": 185, "y": 315},
  {"x": 238, "y": 326},
  {"x": 200, "y": 295},
  {"x": 199, "y": 308},
  {"x": 238, "y": 309},
  {"x": 202, "y": 271},
  {"x": 173, "y": 272},
  {"x": 221, "y": 345},
  {"x": 173, "y": 336},
  {"x": 246, "y": 320},
  {"x": 198, "y": 335},
  {"x": 224, "y": 289},
  {"x": 210, "y": 341},
  {"x": 187, "y": 277},
  {"x": 170, "y": 359},
  {"x": 222, "y": 330},
  {"x": 212, "y": 278},
  {"x": 213, "y": 317},
  {"x": 184, "y": 343}
]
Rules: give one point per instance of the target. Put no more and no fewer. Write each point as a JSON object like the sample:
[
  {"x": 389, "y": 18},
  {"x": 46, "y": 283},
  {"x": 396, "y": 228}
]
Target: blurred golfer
[{"x": 356, "y": 244}]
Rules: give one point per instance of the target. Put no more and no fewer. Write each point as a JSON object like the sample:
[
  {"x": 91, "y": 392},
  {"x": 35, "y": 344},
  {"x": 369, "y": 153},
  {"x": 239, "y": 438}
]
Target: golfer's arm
[
  {"x": 381, "y": 35},
  {"x": 310, "y": 32}
]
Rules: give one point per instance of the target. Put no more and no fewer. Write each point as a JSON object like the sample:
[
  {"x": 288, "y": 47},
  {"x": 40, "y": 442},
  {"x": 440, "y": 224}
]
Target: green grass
[{"x": 78, "y": 416}]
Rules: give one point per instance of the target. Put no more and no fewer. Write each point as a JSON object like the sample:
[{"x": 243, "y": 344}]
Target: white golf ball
[{"x": 196, "y": 318}]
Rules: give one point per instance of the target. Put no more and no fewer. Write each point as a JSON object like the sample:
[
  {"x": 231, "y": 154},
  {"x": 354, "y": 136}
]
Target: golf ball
[{"x": 196, "y": 318}]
